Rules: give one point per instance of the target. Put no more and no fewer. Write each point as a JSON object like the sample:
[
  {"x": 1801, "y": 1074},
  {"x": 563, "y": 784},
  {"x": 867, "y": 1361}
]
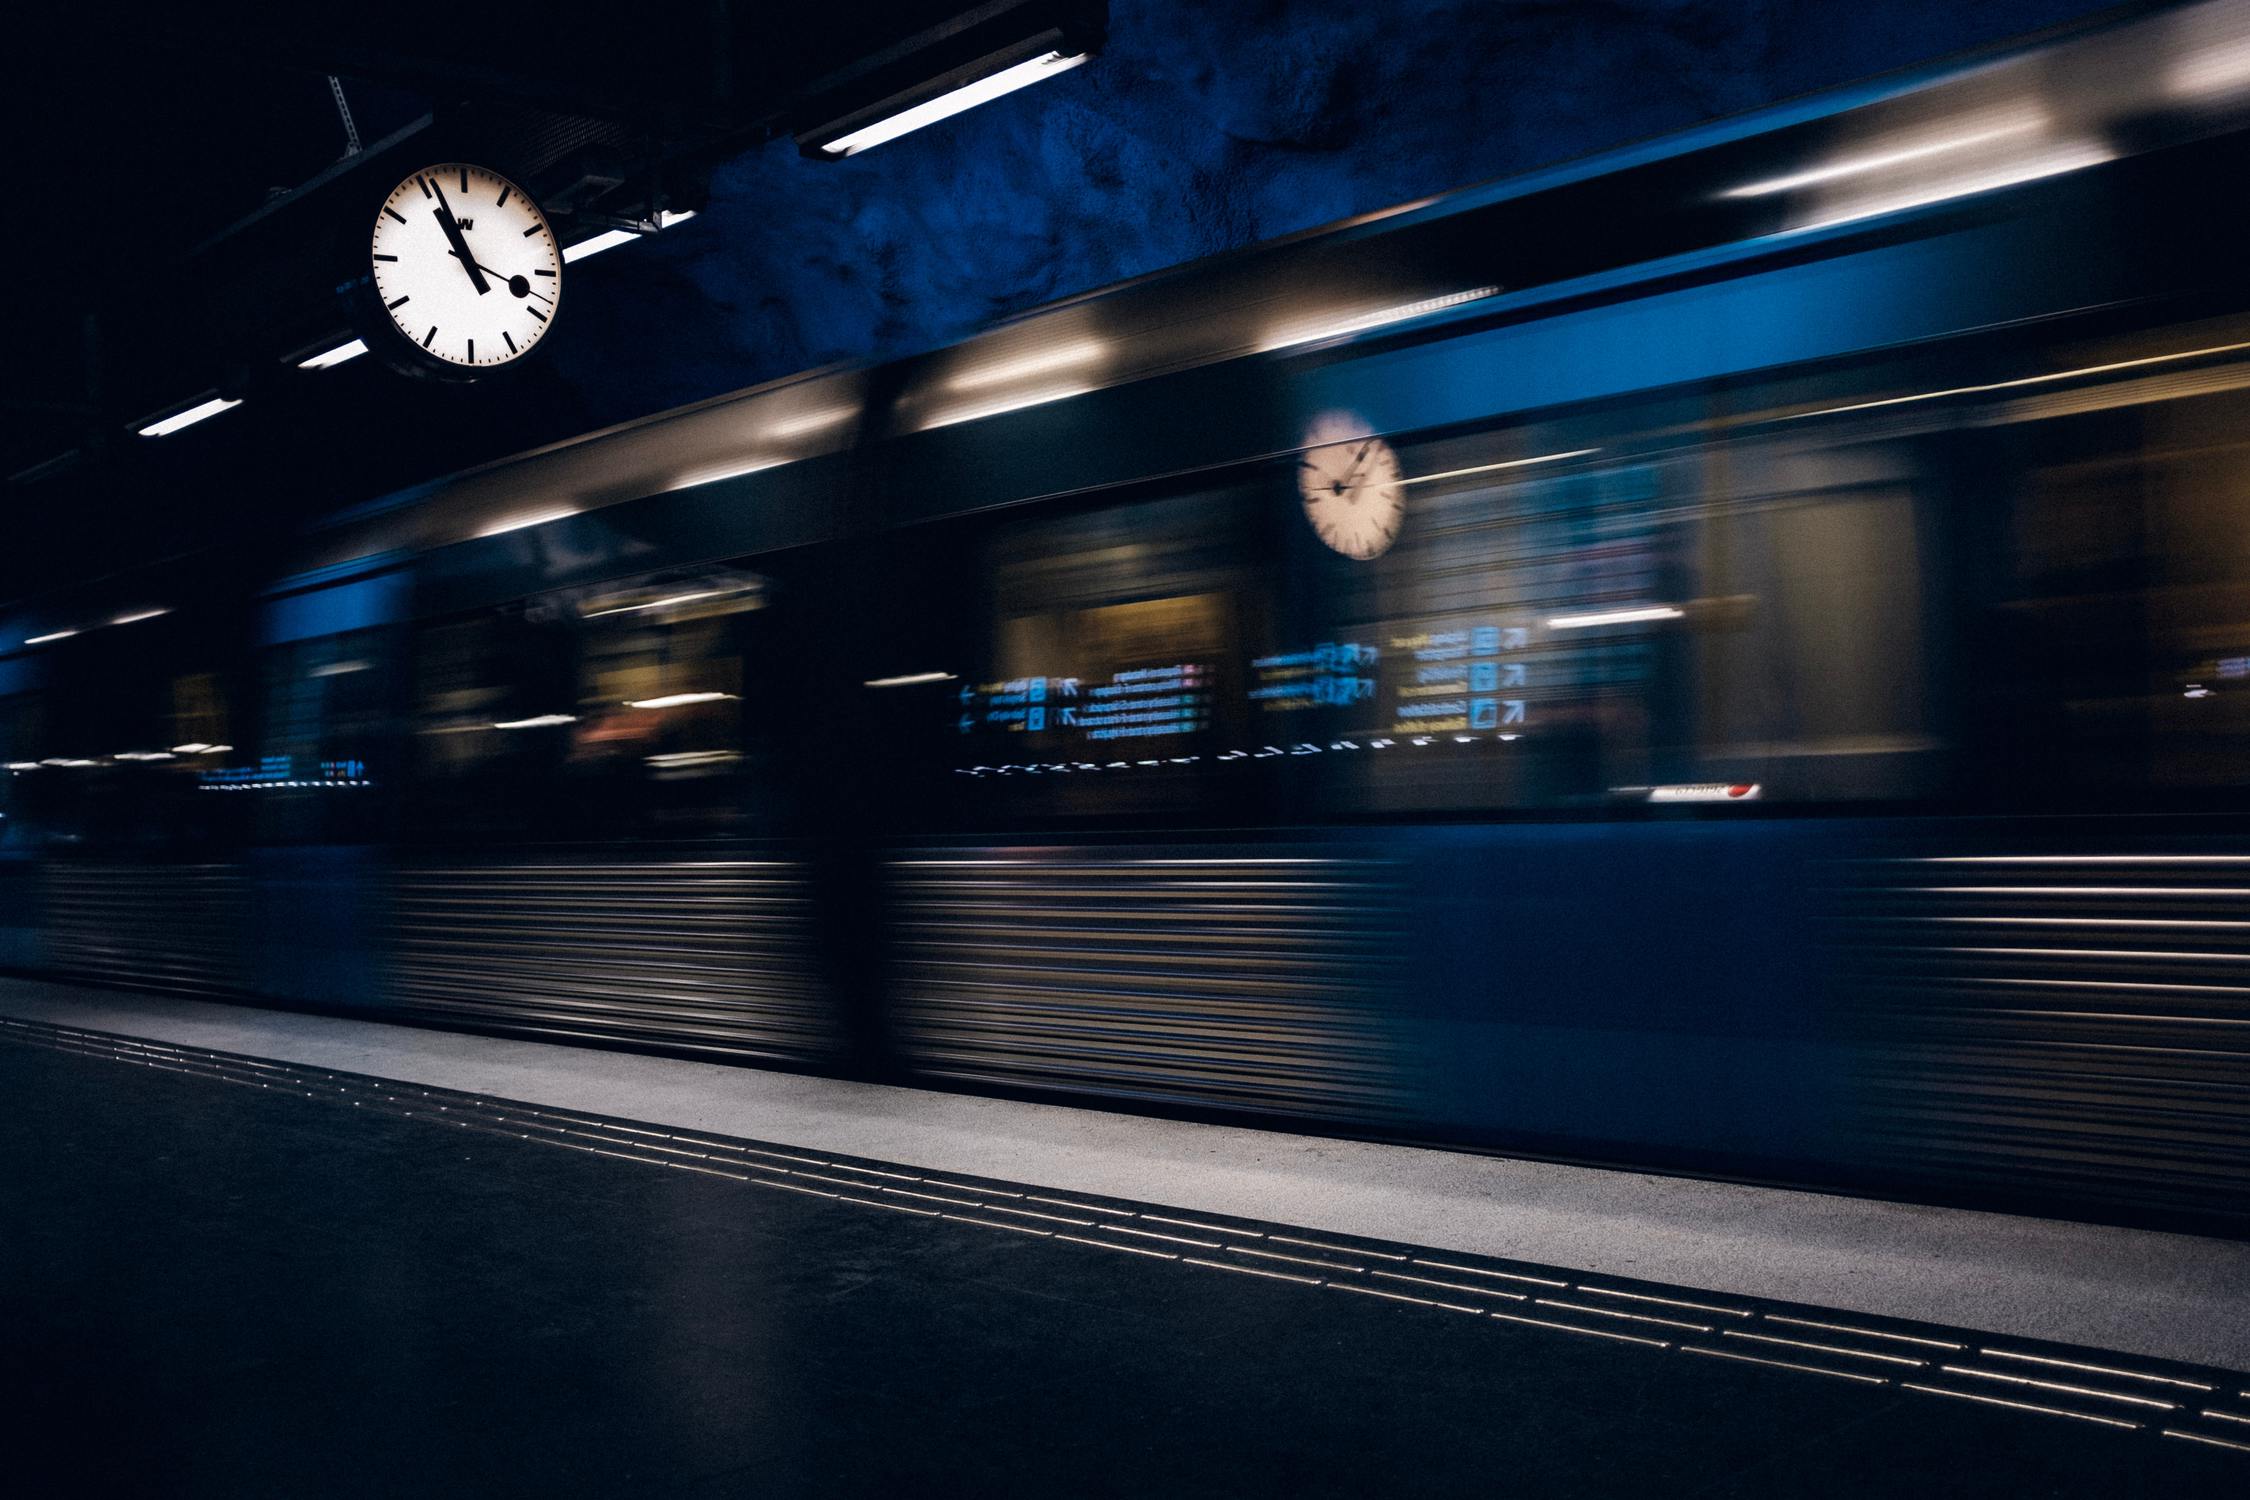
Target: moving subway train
[{"x": 1729, "y": 657}]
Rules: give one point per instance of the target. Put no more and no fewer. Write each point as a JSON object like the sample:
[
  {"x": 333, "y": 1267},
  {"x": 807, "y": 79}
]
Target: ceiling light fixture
[
  {"x": 329, "y": 359},
  {"x": 166, "y": 426}
]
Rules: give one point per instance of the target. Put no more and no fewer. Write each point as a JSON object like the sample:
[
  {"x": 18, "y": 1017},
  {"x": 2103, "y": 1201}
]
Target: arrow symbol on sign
[
  {"x": 1511, "y": 674},
  {"x": 1515, "y": 635},
  {"x": 1067, "y": 715},
  {"x": 1514, "y": 714},
  {"x": 1066, "y": 687}
]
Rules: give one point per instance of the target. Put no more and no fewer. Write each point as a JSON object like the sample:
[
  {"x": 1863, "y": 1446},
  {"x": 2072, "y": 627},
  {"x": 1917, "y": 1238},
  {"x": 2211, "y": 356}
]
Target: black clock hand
[
  {"x": 460, "y": 245},
  {"x": 520, "y": 285}
]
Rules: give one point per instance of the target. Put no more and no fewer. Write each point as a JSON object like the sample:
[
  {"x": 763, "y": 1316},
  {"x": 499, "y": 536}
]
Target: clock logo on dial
[
  {"x": 466, "y": 267},
  {"x": 1353, "y": 488}
]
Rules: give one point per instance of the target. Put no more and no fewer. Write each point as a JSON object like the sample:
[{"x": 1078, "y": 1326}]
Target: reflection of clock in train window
[{"x": 1352, "y": 487}]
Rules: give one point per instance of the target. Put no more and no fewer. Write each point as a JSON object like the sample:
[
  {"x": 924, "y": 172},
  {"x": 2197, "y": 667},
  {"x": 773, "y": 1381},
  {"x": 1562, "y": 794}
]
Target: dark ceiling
[{"x": 1202, "y": 127}]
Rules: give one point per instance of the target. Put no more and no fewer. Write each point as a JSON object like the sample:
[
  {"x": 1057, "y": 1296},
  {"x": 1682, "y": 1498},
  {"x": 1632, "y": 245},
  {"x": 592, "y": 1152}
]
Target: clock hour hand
[{"x": 460, "y": 245}]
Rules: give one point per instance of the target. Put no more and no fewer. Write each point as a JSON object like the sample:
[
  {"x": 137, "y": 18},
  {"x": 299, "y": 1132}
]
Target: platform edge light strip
[
  {"x": 202, "y": 411},
  {"x": 983, "y": 91},
  {"x": 1876, "y": 161},
  {"x": 522, "y": 522}
]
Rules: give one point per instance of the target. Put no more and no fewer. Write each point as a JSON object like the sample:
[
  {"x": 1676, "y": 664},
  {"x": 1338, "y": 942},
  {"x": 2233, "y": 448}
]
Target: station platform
[{"x": 258, "y": 1253}]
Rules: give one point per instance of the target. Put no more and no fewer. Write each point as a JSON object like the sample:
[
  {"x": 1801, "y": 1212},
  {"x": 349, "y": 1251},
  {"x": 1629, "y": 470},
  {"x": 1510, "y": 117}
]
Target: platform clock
[
  {"x": 464, "y": 274},
  {"x": 1353, "y": 489}
]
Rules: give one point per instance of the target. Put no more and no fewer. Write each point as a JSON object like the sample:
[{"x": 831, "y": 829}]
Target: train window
[
  {"x": 647, "y": 708},
  {"x": 2118, "y": 652},
  {"x": 322, "y": 767},
  {"x": 116, "y": 732}
]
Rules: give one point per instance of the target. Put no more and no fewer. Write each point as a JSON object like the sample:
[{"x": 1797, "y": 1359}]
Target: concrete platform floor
[
  {"x": 227, "y": 1275},
  {"x": 2168, "y": 1296}
]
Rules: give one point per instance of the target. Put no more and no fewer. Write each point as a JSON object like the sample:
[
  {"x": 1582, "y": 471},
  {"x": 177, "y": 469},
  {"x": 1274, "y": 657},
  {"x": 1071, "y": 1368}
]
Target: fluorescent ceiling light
[
  {"x": 198, "y": 747},
  {"x": 518, "y": 523},
  {"x": 610, "y": 239},
  {"x": 537, "y": 721},
  {"x": 143, "y": 755},
  {"x": 2055, "y": 163},
  {"x": 329, "y": 359},
  {"x": 1633, "y": 615},
  {"x": 52, "y": 635},
  {"x": 69, "y": 763},
  {"x": 1513, "y": 463},
  {"x": 23, "y": 765},
  {"x": 909, "y": 679},
  {"x": 188, "y": 418},
  {"x": 135, "y": 617},
  {"x": 1876, "y": 161},
  {"x": 946, "y": 105},
  {"x": 1312, "y": 332},
  {"x": 973, "y": 411},
  {"x": 677, "y": 700},
  {"x": 1040, "y": 362}
]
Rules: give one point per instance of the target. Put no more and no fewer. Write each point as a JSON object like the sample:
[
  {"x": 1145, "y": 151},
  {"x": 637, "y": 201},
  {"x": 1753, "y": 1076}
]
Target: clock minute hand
[{"x": 460, "y": 245}]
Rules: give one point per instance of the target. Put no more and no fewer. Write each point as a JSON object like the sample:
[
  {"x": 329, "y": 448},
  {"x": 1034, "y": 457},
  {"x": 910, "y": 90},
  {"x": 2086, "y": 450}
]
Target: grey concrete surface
[{"x": 2165, "y": 1295}]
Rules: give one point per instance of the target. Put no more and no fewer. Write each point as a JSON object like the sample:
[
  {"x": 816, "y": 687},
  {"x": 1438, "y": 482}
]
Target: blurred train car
[{"x": 1729, "y": 657}]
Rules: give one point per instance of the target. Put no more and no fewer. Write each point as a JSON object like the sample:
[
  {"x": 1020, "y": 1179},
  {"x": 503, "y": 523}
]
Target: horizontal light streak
[
  {"x": 1338, "y": 327},
  {"x": 2053, "y": 164},
  {"x": 52, "y": 635},
  {"x": 23, "y": 765},
  {"x": 2082, "y": 890},
  {"x": 1876, "y": 161},
  {"x": 328, "y": 359},
  {"x": 2072, "y": 1364},
  {"x": 811, "y": 421},
  {"x": 2085, "y": 859},
  {"x": 1632, "y": 615},
  {"x": 908, "y": 679},
  {"x": 930, "y": 111},
  {"x": 610, "y": 239},
  {"x": 144, "y": 755},
  {"x": 69, "y": 762},
  {"x": 136, "y": 616},
  {"x": 2234, "y": 958},
  {"x": 2080, "y": 373},
  {"x": 666, "y": 603},
  {"x": 1041, "y": 362},
  {"x": 2057, "y": 1385},
  {"x": 194, "y": 414},
  {"x": 732, "y": 468},
  {"x": 1513, "y": 463},
  {"x": 522, "y": 522},
  {"x": 2052, "y": 1411},
  {"x": 2102, "y": 921},
  {"x": 677, "y": 700},
  {"x": 199, "y": 747},
  {"x": 537, "y": 721},
  {"x": 975, "y": 411}
]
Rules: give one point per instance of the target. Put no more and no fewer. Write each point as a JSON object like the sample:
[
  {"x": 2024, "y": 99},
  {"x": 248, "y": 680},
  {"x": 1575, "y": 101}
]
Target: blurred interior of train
[{"x": 1792, "y": 722}]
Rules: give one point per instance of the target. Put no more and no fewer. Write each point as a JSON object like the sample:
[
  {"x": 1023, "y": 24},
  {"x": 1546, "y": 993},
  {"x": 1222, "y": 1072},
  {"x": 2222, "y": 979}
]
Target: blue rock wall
[{"x": 1204, "y": 127}]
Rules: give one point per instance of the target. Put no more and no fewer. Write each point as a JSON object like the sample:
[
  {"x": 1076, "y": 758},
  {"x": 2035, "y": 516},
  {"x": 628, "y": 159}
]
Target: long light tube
[
  {"x": 194, "y": 414},
  {"x": 947, "y": 105},
  {"x": 972, "y": 411},
  {"x": 1038, "y": 362},
  {"x": 909, "y": 679},
  {"x": 537, "y": 721},
  {"x": 134, "y": 617},
  {"x": 330, "y": 358},
  {"x": 610, "y": 239},
  {"x": 52, "y": 635},
  {"x": 1513, "y": 463}
]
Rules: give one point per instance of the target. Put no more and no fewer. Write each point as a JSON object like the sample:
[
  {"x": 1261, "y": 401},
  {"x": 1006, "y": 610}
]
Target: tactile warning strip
[{"x": 2129, "y": 1393}]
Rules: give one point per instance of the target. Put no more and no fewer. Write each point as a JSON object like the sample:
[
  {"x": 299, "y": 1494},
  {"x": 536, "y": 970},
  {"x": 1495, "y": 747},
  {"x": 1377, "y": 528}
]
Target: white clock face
[
  {"x": 1352, "y": 486},
  {"x": 466, "y": 265}
]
